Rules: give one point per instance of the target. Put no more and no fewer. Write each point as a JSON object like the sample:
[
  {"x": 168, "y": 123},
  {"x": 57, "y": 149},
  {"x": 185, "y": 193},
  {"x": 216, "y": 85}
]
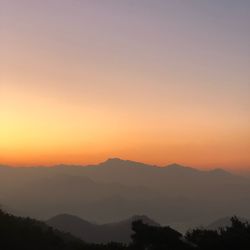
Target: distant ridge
[{"x": 116, "y": 161}]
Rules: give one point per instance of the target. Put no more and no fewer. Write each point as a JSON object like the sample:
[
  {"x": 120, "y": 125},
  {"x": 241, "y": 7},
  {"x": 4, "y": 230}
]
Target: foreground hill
[
  {"x": 29, "y": 234},
  {"x": 18, "y": 233},
  {"x": 94, "y": 233}
]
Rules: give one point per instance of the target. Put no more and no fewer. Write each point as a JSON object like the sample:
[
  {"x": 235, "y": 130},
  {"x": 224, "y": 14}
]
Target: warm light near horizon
[{"x": 78, "y": 88}]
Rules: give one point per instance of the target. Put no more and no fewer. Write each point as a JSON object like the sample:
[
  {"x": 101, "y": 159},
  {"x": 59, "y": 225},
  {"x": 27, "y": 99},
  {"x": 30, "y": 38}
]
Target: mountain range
[{"x": 116, "y": 189}]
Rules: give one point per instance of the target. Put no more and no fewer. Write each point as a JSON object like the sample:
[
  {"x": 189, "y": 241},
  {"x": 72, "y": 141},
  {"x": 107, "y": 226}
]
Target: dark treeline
[
  {"x": 236, "y": 236},
  {"x": 26, "y": 234}
]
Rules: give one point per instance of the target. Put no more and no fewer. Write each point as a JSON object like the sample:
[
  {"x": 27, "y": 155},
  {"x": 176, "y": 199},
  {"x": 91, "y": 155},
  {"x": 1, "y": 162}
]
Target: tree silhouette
[
  {"x": 204, "y": 239},
  {"x": 156, "y": 238},
  {"x": 235, "y": 236}
]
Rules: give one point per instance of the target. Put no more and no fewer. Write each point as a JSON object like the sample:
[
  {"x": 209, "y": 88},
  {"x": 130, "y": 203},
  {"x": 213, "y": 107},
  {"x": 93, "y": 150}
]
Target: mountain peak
[
  {"x": 114, "y": 160},
  {"x": 124, "y": 163},
  {"x": 175, "y": 165}
]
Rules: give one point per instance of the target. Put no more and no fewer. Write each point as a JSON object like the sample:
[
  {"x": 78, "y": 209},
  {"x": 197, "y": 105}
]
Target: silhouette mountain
[{"x": 97, "y": 233}]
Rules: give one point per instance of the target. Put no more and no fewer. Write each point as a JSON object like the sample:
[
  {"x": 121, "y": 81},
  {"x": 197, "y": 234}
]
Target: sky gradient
[{"x": 154, "y": 81}]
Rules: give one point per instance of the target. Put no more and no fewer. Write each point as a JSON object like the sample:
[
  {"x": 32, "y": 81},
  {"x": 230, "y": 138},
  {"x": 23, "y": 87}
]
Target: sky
[{"x": 158, "y": 81}]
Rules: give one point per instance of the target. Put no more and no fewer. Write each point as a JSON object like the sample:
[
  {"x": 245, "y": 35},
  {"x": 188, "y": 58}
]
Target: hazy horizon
[{"x": 240, "y": 171}]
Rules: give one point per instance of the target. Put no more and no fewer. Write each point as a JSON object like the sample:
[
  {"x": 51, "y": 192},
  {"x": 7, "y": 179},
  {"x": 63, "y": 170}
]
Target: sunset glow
[{"x": 157, "y": 85}]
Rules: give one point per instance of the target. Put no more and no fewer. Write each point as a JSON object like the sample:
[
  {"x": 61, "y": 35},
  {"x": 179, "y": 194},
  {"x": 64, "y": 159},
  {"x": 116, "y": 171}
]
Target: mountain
[
  {"x": 161, "y": 179},
  {"x": 176, "y": 195},
  {"x": 44, "y": 196},
  {"x": 96, "y": 233}
]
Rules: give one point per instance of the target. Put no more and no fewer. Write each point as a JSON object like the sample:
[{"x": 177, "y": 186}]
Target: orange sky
[{"x": 79, "y": 88}]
